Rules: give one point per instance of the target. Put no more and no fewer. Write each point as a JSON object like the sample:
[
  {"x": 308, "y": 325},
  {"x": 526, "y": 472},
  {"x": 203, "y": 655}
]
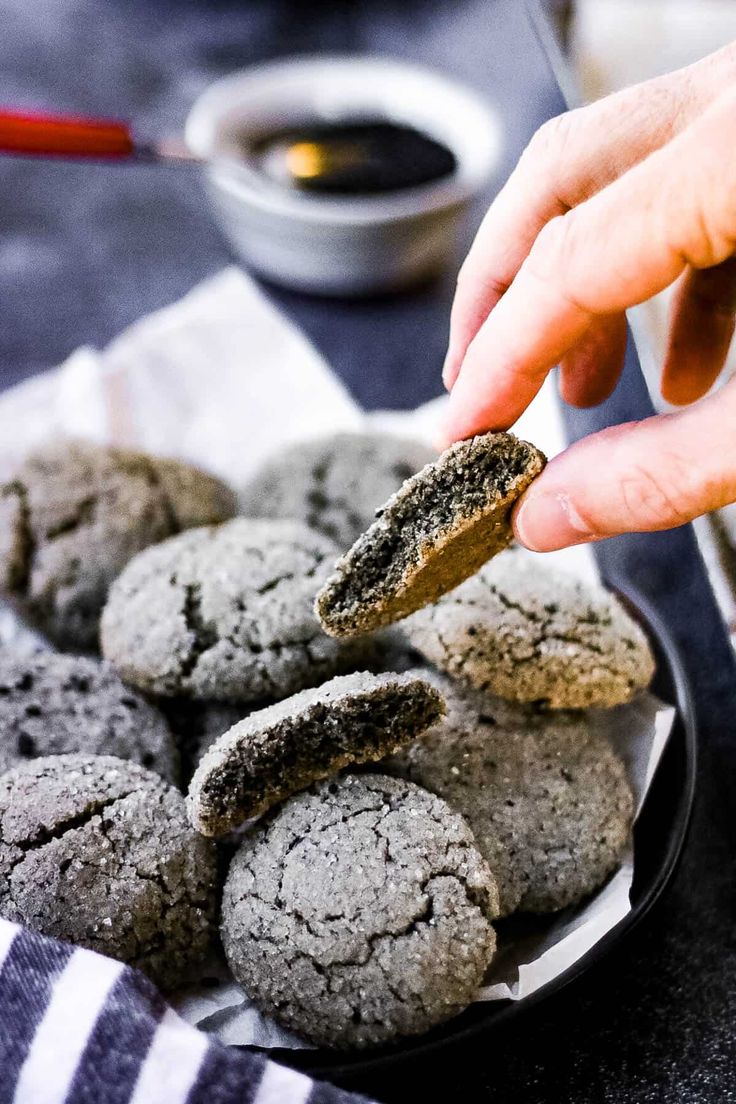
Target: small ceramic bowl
[{"x": 341, "y": 245}]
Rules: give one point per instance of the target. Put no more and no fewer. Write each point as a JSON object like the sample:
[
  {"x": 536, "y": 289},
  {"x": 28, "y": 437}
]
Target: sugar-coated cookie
[
  {"x": 99, "y": 852},
  {"x": 545, "y": 795},
  {"x": 53, "y": 704},
  {"x": 530, "y": 633},
  {"x": 359, "y": 912},
  {"x": 335, "y": 484},
  {"x": 226, "y": 614},
  {"x": 75, "y": 513}
]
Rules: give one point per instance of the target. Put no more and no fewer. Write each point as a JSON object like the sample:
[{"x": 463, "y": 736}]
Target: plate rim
[{"x": 320, "y": 1063}]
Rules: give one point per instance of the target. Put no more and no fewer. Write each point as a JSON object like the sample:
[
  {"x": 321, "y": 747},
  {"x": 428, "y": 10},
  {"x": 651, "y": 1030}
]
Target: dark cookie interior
[
  {"x": 436, "y": 531},
  {"x": 281, "y": 750}
]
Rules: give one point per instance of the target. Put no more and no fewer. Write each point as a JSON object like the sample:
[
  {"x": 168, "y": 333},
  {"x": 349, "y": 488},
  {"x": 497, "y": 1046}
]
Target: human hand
[{"x": 609, "y": 205}]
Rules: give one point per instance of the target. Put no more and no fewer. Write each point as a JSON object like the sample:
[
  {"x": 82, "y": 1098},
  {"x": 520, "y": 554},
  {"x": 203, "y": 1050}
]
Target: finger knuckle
[
  {"x": 549, "y": 142},
  {"x": 713, "y": 227},
  {"x": 661, "y": 496},
  {"x": 553, "y": 237},
  {"x": 463, "y": 276},
  {"x": 468, "y": 272},
  {"x": 552, "y": 256}
]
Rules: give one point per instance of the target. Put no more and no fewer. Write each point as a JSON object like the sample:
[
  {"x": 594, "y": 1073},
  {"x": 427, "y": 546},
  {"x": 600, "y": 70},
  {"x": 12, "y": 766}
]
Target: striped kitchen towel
[{"x": 78, "y": 1028}]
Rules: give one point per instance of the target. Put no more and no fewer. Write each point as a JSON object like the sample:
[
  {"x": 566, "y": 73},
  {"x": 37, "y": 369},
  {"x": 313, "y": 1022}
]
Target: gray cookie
[
  {"x": 527, "y": 632},
  {"x": 225, "y": 614},
  {"x": 434, "y": 532},
  {"x": 335, "y": 484},
  {"x": 360, "y": 912},
  {"x": 280, "y": 750},
  {"x": 546, "y": 797},
  {"x": 99, "y": 852},
  {"x": 76, "y": 513},
  {"x": 53, "y": 704}
]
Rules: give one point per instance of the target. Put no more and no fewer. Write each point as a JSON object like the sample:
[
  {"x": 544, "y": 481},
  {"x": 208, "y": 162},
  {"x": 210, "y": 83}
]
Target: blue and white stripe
[{"x": 78, "y": 1028}]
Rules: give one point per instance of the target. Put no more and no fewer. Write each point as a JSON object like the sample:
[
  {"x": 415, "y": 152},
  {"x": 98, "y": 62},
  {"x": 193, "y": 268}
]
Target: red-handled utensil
[{"x": 44, "y": 135}]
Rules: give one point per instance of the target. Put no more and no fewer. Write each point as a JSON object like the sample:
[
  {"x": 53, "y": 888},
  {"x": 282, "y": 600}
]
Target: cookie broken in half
[
  {"x": 279, "y": 750},
  {"x": 436, "y": 531}
]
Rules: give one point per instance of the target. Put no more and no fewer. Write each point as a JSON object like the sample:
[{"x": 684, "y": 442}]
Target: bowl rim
[{"x": 248, "y": 187}]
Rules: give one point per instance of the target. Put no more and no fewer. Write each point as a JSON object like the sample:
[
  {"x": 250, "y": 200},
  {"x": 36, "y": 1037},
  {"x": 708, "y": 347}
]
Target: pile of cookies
[{"x": 381, "y": 751}]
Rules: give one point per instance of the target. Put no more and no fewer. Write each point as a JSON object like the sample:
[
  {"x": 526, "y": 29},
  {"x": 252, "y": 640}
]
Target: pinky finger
[{"x": 701, "y": 328}]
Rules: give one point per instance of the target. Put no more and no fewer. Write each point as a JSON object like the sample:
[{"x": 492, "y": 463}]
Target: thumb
[{"x": 638, "y": 477}]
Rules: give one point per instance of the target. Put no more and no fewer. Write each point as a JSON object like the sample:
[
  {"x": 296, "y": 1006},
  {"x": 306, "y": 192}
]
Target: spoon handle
[{"x": 45, "y": 135}]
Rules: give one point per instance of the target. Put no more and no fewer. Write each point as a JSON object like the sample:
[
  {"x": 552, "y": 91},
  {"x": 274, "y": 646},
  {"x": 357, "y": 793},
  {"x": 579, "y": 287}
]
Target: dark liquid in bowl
[{"x": 351, "y": 157}]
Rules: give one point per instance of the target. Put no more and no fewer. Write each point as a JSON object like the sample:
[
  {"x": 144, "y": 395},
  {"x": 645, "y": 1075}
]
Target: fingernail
[{"x": 546, "y": 522}]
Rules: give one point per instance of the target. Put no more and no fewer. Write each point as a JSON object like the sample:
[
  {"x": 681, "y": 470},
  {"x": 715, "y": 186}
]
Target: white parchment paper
[{"x": 222, "y": 379}]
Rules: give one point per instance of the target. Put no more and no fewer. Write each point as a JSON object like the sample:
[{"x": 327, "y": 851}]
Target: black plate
[{"x": 659, "y": 835}]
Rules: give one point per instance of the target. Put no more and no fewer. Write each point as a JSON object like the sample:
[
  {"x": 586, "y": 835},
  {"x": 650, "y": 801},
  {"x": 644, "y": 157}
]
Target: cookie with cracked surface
[
  {"x": 438, "y": 529},
  {"x": 335, "y": 484},
  {"x": 99, "y": 852},
  {"x": 360, "y": 912},
  {"x": 52, "y": 704},
  {"x": 282, "y": 749},
  {"x": 75, "y": 513},
  {"x": 226, "y": 614},
  {"x": 531, "y": 633},
  {"x": 545, "y": 795}
]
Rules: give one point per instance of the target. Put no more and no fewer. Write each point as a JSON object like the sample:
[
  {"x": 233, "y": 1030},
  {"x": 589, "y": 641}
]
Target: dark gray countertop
[{"x": 84, "y": 250}]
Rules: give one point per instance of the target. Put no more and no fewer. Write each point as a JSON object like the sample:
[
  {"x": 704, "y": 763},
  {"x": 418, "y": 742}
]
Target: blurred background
[
  {"x": 86, "y": 249},
  {"x": 619, "y": 42}
]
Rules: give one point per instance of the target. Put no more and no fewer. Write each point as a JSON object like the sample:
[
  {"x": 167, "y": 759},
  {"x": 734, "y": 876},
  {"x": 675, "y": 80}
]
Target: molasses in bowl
[{"x": 343, "y": 175}]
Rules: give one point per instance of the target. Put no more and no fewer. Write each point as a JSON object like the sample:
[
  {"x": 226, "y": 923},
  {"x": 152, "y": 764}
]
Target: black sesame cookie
[
  {"x": 280, "y": 750},
  {"x": 335, "y": 484},
  {"x": 75, "y": 513},
  {"x": 546, "y": 796},
  {"x": 99, "y": 852},
  {"x": 52, "y": 704},
  {"x": 434, "y": 532},
  {"x": 226, "y": 614},
  {"x": 527, "y": 632},
  {"x": 359, "y": 912}
]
